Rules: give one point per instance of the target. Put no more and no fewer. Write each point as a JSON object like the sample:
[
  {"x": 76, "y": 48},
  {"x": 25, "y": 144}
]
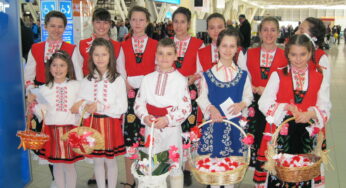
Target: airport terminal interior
[{"x": 289, "y": 13}]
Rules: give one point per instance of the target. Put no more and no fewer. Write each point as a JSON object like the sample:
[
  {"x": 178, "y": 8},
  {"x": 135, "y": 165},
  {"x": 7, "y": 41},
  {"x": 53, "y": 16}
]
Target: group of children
[{"x": 169, "y": 84}]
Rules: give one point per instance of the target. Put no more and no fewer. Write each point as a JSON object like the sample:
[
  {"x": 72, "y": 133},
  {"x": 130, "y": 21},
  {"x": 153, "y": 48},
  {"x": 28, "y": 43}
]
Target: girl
[
  {"x": 223, "y": 81},
  {"x": 208, "y": 56},
  {"x": 187, "y": 48},
  {"x": 167, "y": 101},
  {"x": 103, "y": 94},
  {"x": 60, "y": 92},
  {"x": 261, "y": 62},
  {"x": 101, "y": 21},
  {"x": 137, "y": 59},
  {"x": 297, "y": 90},
  {"x": 315, "y": 29},
  {"x": 55, "y": 23}
]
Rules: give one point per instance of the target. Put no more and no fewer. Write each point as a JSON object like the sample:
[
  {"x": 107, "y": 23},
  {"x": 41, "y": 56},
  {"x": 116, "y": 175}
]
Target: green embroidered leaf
[
  {"x": 162, "y": 156},
  {"x": 143, "y": 155},
  {"x": 161, "y": 169}
]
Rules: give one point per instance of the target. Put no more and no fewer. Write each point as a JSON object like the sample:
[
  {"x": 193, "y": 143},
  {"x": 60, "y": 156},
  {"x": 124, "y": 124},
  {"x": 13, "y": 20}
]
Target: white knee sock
[
  {"x": 99, "y": 170},
  {"x": 176, "y": 178},
  {"x": 70, "y": 175},
  {"x": 59, "y": 175},
  {"x": 226, "y": 186},
  {"x": 112, "y": 173}
]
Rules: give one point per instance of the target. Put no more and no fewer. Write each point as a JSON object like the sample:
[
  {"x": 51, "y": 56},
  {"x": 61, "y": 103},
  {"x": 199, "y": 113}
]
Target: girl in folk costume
[
  {"x": 60, "y": 93},
  {"x": 34, "y": 72},
  {"x": 187, "y": 48},
  {"x": 103, "y": 94},
  {"x": 297, "y": 90},
  {"x": 222, "y": 82},
  {"x": 164, "y": 98},
  {"x": 208, "y": 56},
  {"x": 101, "y": 21},
  {"x": 136, "y": 59},
  {"x": 315, "y": 30},
  {"x": 261, "y": 62}
]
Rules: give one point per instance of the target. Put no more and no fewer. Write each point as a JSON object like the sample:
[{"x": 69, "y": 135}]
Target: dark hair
[
  {"x": 300, "y": 40},
  {"x": 242, "y": 16},
  {"x": 269, "y": 19},
  {"x": 317, "y": 29},
  {"x": 228, "y": 32},
  {"x": 102, "y": 15},
  {"x": 216, "y": 15},
  {"x": 55, "y": 14},
  {"x": 184, "y": 11},
  {"x": 112, "y": 71},
  {"x": 167, "y": 42},
  {"x": 139, "y": 9},
  {"x": 60, "y": 54}
]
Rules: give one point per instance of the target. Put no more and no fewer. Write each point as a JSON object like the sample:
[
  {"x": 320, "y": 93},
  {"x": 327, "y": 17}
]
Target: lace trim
[{"x": 220, "y": 84}]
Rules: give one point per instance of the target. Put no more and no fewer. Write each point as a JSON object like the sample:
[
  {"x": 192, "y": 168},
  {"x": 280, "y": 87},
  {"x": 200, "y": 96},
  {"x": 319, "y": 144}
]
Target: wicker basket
[
  {"x": 294, "y": 174},
  {"x": 30, "y": 139},
  {"x": 150, "y": 181},
  {"x": 85, "y": 148},
  {"x": 222, "y": 178}
]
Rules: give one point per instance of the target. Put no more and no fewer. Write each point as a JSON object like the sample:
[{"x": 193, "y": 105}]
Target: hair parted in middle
[
  {"x": 228, "y": 32},
  {"x": 216, "y": 15},
  {"x": 182, "y": 10},
  {"x": 112, "y": 71},
  {"x": 139, "y": 9}
]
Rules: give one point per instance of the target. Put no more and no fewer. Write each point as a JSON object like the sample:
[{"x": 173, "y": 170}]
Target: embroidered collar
[
  {"x": 221, "y": 84},
  {"x": 163, "y": 72},
  {"x": 140, "y": 37},
  {"x": 220, "y": 66},
  {"x": 302, "y": 71}
]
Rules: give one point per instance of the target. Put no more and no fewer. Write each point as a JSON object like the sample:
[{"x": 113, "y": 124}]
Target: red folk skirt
[
  {"x": 110, "y": 129},
  {"x": 55, "y": 150}
]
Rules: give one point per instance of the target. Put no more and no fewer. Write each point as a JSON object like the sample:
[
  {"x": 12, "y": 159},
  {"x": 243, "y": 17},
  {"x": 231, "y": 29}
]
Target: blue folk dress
[{"x": 221, "y": 140}]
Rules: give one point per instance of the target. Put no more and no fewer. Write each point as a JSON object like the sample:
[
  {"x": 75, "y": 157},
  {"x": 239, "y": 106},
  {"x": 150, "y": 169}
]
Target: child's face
[
  {"x": 101, "y": 28},
  {"x": 165, "y": 57},
  {"x": 180, "y": 24},
  {"x": 55, "y": 28},
  {"x": 138, "y": 22},
  {"x": 269, "y": 32},
  {"x": 215, "y": 26},
  {"x": 304, "y": 28},
  {"x": 299, "y": 56},
  {"x": 101, "y": 58},
  {"x": 58, "y": 69},
  {"x": 228, "y": 48}
]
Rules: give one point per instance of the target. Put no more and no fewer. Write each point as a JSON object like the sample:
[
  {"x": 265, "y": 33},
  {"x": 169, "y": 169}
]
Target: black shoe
[
  {"x": 208, "y": 186},
  {"x": 127, "y": 184},
  {"x": 91, "y": 181},
  {"x": 187, "y": 178}
]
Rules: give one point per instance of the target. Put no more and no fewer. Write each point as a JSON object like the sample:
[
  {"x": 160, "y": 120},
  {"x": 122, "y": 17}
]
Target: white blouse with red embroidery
[
  {"x": 111, "y": 98},
  {"x": 276, "y": 112},
  {"x": 60, "y": 98}
]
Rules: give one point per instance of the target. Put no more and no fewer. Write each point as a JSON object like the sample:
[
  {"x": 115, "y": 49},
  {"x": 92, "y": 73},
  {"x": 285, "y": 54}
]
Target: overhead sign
[
  {"x": 169, "y": 1},
  {"x": 64, "y": 6}
]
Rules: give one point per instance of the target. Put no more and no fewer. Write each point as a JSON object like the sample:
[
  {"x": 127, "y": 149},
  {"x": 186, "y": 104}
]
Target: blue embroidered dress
[{"x": 220, "y": 139}]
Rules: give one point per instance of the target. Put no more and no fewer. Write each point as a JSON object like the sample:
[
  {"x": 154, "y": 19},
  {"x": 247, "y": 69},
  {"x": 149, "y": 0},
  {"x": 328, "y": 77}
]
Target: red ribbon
[{"x": 77, "y": 141}]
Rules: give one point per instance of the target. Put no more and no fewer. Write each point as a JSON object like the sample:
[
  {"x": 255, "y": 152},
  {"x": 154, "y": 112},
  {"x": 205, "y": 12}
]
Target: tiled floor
[{"x": 336, "y": 132}]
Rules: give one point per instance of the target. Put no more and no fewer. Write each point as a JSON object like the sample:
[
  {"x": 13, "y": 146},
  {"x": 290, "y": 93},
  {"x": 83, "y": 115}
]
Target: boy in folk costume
[
  {"x": 164, "y": 98},
  {"x": 297, "y": 90},
  {"x": 136, "y": 59},
  {"x": 101, "y": 21}
]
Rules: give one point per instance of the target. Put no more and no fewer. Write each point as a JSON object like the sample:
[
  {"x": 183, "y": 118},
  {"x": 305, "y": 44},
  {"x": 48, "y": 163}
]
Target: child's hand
[
  {"x": 161, "y": 122},
  {"x": 254, "y": 89},
  {"x": 91, "y": 108},
  {"x": 236, "y": 108},
  {"x": 215, "y": 115},
  {"x": 260, "y": 90},
  {"x": 148, "y": 120},
  {"x": 31, "y": 98},
  {"x": 304, "y": 117},
  {"x": 75, "y": 108},
  {"x": 128, "y": 86},
  {"x": 193, "y": 78},
  {"x": 292, "y": 108}
]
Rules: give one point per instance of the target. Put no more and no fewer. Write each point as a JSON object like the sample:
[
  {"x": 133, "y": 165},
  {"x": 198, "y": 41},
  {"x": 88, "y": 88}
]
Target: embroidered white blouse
[
  {"x": 164, "y": 89},
  {"x": 275, "y": 112},
  {"x": 60, "y": 98},
  {"x": 111, "y": 98},
  {"x": 138, "y": 45},
  {"x": 30, "y": 67},
  {"x": 224, "y": 74}
]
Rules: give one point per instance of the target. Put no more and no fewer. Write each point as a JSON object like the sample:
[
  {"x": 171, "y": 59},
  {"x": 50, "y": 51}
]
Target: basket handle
[
  {"x": 81, "y": 118},
  {"x": 238, "y": 127},
  {"x": 151, "y": 146}
]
